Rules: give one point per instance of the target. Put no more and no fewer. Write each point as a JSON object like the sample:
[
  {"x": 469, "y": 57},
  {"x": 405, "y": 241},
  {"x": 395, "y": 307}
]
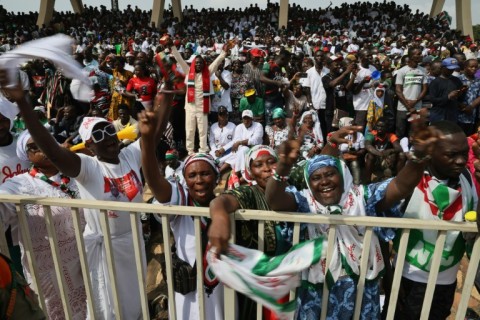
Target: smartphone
[{"x": 303, "y": 75}]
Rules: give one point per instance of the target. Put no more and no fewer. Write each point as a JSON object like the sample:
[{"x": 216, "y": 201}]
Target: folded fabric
[
  {"x": 266, "y": 279},
  {"x": 55, "y": 49}
]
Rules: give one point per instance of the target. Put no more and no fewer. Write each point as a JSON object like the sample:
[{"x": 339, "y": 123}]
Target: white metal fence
[{"x": 135, "y": 208}]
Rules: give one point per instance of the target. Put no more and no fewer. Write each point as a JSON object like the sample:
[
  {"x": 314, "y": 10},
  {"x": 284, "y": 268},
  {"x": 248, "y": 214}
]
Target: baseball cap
[
  {"x": 249, "y": 92},
  {"x": 351, "y": 57},
  {"x": 255, "y": 52},
  {"x": 247, "y": 114},
  {"x": 222, "y": 110},
  {"x": 450, "y": 63},
  {"x": 87, "y": 125}
]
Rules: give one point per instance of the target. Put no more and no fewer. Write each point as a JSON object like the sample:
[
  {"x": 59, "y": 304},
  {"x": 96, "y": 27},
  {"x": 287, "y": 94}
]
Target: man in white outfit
[
  {"x": 221, "y": 138},
  {"x": 247, "y": 134}
]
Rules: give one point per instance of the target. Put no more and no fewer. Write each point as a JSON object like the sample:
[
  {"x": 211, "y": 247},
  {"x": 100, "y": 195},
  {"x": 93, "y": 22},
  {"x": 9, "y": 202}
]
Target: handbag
[
  {"x": 337, "y": 115},
  {"x": 184, "y": 275}
]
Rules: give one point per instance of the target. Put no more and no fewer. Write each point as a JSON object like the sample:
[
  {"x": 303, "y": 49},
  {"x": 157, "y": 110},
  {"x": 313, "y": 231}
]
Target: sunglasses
[
  {"x": 33, "y": 148},
  {"x": 100, "y": 134}
]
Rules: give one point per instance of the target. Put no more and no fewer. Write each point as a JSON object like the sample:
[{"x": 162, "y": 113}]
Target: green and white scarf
[
  {"x": 266, "y": 279},
  {"x": 432, "y": 200}
]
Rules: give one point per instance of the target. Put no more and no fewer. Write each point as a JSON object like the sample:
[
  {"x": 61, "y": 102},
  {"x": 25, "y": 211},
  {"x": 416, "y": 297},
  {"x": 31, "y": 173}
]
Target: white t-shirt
[
  {"x": 221, "y": 96},
  {"x": 10, "y": 165},
  {"x": 412, "y": 80},
  {"x": 362, "y": 99},
  {"x": 221, "y": 137},
  {"x": 176, "y": 174},
  {"x": 314, "y": 82},
  {"x": 121, "y": 182}
]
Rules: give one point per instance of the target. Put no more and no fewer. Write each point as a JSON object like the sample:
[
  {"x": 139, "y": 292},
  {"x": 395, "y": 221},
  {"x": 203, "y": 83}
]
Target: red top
[{"x": 145, "y": 87}]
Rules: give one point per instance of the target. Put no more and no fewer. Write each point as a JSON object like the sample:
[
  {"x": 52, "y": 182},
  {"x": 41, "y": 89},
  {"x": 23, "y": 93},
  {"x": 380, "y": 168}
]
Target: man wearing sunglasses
[{"x": 112, "y": 175}]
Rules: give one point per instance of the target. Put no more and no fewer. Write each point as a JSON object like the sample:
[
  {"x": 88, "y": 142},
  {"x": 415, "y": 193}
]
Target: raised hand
[
  {"x": 15, "y": 92},
  {"x": 424, "y": 138},
  {"x": 288, "y": 153},
  {"x": 147, "y": 124},
  {"x": 338, "y": 137}
]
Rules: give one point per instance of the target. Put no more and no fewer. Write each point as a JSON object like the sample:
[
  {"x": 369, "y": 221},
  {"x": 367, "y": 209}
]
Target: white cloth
[
  {"x": 8, "y": 109},
  {"x": 254, "y": 134},
  {"x": 176, "y": 174},
  {"x": 10, "y": 164},
  {"x": 221, "y": 138},
  {"x": 317, "y": 92},
  {"x": 221, "y": 96},
  {"x": 362, "y": 99},
  {"x": 25, "y": 184},
  {"x": 56, "y": 49},
  {"x": 183, "y": 230},
  {"x": 113, "y": 182}
]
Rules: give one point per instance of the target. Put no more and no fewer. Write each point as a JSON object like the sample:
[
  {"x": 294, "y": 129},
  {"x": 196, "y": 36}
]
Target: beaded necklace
[{"x": 34, "y": 172}]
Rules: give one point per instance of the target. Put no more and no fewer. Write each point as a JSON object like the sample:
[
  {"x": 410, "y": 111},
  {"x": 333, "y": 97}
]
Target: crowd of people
[{"x": 366, "y": 109}]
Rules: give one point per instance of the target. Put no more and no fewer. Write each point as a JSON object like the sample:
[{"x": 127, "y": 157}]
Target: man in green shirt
[{"x": 255, "y": 104}]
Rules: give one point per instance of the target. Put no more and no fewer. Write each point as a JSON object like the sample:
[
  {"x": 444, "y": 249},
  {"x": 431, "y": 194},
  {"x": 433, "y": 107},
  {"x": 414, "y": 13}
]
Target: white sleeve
[
  {"x": 133, "y": 153},
  {"x": 211, "y": 138},
  {"x": 257, "y": 137}
]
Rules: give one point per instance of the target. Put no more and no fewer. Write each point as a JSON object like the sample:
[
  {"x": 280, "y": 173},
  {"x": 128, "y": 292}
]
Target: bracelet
[
  {"x": 278, "y": 177},
  {"x": 416, "y": 159},
  {"x": 329, "y": 141}
]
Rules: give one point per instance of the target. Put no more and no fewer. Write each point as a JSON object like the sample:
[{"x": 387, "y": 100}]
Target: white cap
[
  {"x": 247, "y": 113},
  {"x": 87, "y": 125}
]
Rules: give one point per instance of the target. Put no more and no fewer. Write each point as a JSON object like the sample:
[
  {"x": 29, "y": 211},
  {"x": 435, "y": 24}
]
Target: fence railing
[{"x": 261, "y": 216}]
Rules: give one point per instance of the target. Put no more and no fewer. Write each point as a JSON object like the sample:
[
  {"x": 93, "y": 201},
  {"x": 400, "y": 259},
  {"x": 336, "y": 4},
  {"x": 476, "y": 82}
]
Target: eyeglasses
[
  {"x": 99, "y": 134},
  {"x": 33, "y": 148}
]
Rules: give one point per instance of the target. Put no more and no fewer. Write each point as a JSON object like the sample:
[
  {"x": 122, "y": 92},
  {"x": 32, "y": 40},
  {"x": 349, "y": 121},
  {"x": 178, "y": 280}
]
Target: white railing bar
[
  {"x": 27, "y": 246},
  {"x": 382, "y": 222},
  {"x": 112, "y": 274},
  {"x": 261, "y": 247},
  {"x": 57, "y": 263},
  {"x": 83, "y": 261},
  {"x": 397, "y": 275},
  {"x": 3, "y": 242},
  {"x": 172, "y": 312},
  {"x": 332, "y": 245},
  {"x": 363, "y": 272},
  {"x": 139, "y": 258},
  {"x": 469, "y": 280},
  {"x": 199, "y": 261},
  {"x": 230, "y": 305},
  {"x": 295, "y": 240},
  {"x": 433, "y": 274}
]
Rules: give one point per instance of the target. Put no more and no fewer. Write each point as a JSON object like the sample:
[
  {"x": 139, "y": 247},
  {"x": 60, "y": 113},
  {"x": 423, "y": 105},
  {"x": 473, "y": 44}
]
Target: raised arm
[
  {"x": 219, "y": 231},
  {"x": 407, "y": 179},
  {"x": 151, "y": 125},
  {"x": 65, "y": 160}
]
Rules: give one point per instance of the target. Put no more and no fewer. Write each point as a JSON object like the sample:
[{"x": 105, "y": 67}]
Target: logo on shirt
[
  {"x": 129, "y": 185},
  {"x": 10, "y": 172}
]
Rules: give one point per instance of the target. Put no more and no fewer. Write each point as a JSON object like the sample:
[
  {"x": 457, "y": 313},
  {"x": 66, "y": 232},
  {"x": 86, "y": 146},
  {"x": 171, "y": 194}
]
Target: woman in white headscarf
[
  {"x": 43, "y": 179},
  {"x": 310, "y": 134}
]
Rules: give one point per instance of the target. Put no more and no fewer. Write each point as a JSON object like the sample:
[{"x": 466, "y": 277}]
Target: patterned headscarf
[
  {"x": 202, "y": 157},
  {"x": 253, "y": 154},
  {"x": 321, "y": 161},
  {"x": 317, "y": 130}
]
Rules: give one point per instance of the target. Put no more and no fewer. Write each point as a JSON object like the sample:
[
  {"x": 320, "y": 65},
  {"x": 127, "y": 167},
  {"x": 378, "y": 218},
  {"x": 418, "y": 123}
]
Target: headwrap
[
  {"x": 345, "y": 121},
  {"x": 253, "y": 154},
  {"x": 317, "y": 130},
  {"x": 278, "y": 113},
  {"x": 171, "y": 154},
  {"x": 379, "y": 101},
  {"x": 202, "y": 157},
  {"x": 205, "y": 85},
  {"x": 348, "y": 239},
  {"x": 8, "y": 110},
  {"x": 22, "y": 145}
]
